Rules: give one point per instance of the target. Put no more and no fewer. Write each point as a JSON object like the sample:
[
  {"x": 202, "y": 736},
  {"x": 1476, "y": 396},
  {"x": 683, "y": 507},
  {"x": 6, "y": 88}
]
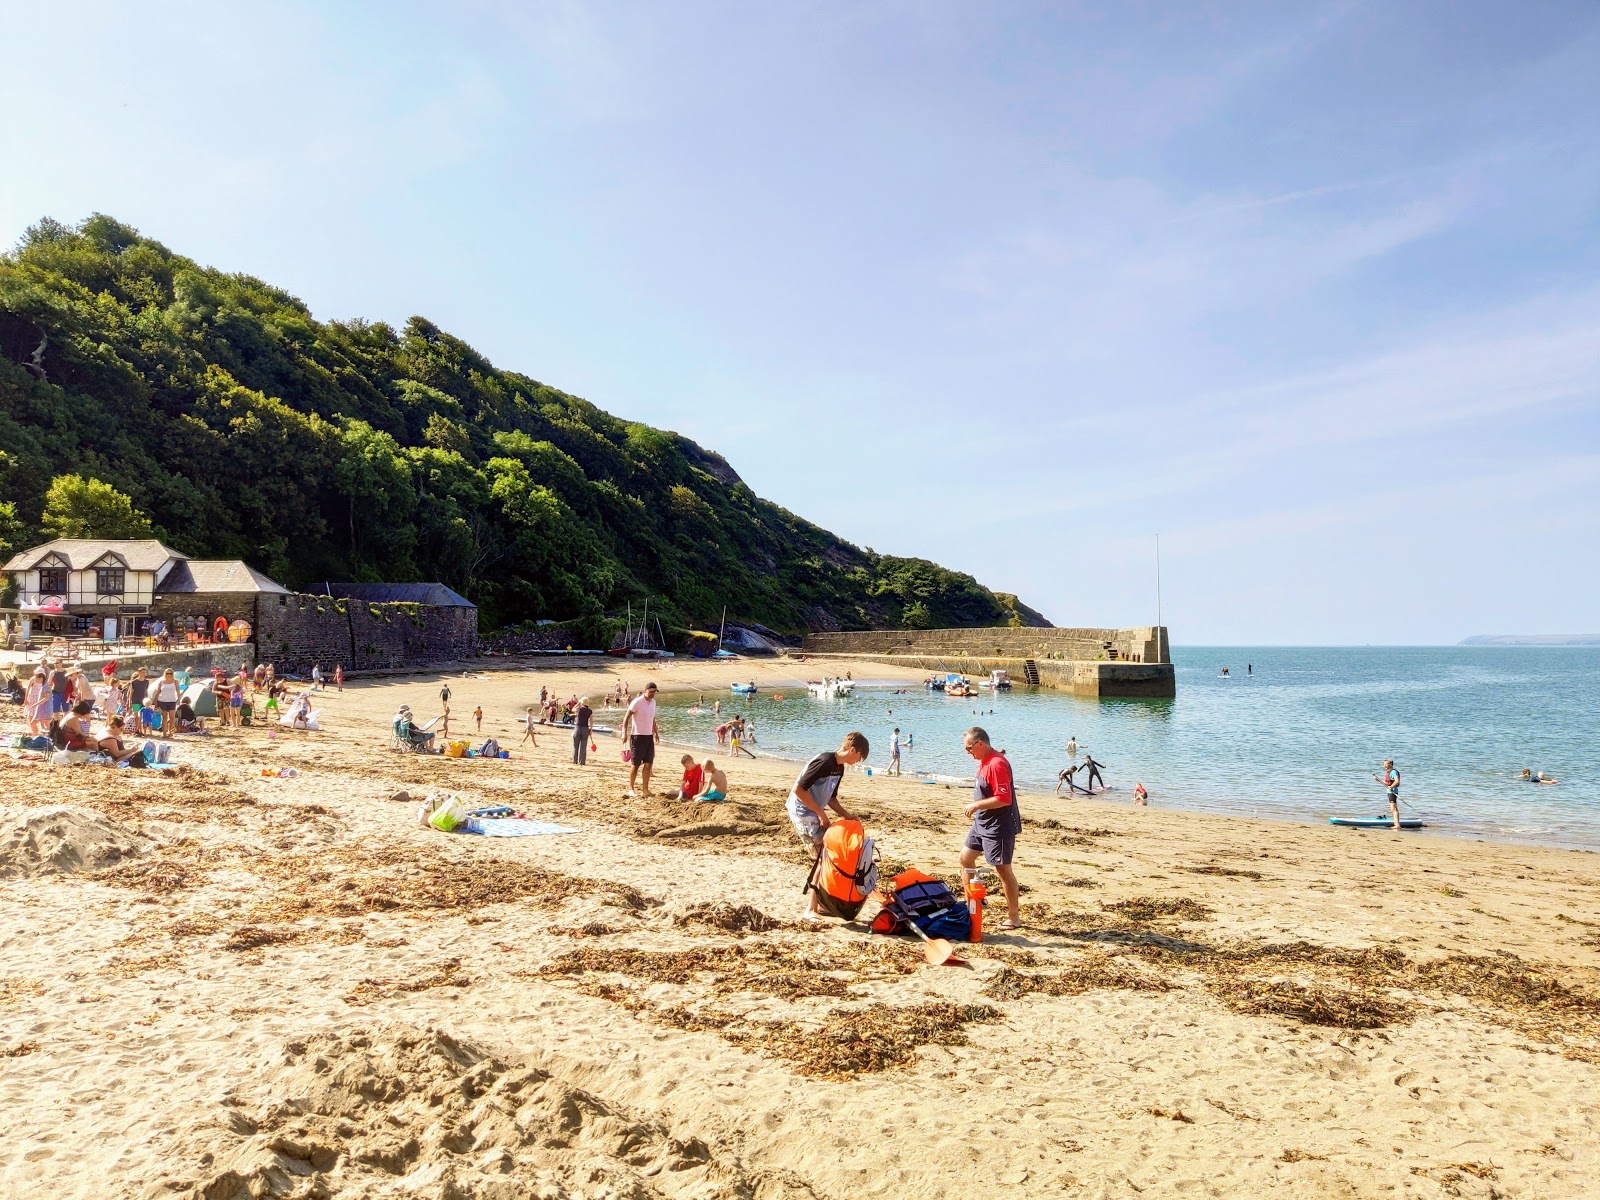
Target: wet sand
[{"x": 219, "y": 984}]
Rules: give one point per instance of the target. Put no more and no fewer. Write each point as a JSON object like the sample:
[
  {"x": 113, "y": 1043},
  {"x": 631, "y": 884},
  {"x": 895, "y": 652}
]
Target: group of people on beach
[{"x": 996, "y": 818}]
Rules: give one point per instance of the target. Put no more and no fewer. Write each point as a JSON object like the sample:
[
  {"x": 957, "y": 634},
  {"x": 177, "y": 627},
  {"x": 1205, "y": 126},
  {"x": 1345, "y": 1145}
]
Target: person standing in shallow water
[{"x": 1391, "y": 782}]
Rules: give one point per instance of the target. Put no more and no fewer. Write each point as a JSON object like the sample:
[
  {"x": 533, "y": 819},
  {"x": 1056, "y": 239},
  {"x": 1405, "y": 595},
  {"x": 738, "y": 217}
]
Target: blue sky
[{"x": 1310, "y": 291}]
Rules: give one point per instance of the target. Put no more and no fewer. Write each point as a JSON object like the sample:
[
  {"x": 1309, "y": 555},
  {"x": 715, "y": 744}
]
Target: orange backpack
[{"x": 846, "y": 870}]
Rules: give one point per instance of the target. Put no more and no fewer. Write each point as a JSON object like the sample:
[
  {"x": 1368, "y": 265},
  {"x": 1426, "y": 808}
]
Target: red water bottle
[{"x": 977, "y": 893}]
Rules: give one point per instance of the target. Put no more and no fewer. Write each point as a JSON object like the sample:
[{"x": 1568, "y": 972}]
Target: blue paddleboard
[{"x": 1375, "y": 822}]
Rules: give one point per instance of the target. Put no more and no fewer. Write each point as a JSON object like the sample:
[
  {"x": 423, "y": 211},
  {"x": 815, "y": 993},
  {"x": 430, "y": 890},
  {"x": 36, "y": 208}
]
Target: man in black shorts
[
  {"x": 996, "y": 820},
  {"x": 639, "y": 728},
  {"x": 1068, "y": 776}
]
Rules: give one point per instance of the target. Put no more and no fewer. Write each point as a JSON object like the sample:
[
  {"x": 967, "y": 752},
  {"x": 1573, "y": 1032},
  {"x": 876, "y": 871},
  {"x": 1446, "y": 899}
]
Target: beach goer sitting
[
  {"x": 407, "y": 730},
  {"x": 1140, "y": 796},
  {"x": 113, "y": 746},
  {"x": 715, "y": 786},
  {"x": 188, "y": 722},
  {"x": 693, "y": 780},
  {"x": 72, "y": 730}
]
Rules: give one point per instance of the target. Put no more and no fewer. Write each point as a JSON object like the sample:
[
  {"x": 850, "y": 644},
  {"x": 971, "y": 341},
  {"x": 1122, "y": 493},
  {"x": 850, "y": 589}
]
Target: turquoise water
[{"x": 1299, "y": 739}]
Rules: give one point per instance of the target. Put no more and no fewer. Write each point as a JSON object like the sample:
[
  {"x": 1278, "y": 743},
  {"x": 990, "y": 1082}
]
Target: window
[
  {"x": 108, "y": 581},
  {"x": 52, "y": 581}
]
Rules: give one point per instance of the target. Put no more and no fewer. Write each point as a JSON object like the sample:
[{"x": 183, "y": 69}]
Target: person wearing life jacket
[{"x": 996, "y": 820}]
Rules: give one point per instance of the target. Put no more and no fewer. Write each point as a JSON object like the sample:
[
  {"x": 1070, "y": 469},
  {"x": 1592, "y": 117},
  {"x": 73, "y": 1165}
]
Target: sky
[{"x": 1308, "y": 292}]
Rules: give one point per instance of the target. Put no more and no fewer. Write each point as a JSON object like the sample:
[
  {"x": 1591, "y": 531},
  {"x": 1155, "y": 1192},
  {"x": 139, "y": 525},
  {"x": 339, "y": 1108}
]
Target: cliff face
[{"x": 242, "y": 427}]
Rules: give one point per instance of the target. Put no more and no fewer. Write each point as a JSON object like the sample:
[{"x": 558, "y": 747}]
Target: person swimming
[{"x": 1536, "y": 777}]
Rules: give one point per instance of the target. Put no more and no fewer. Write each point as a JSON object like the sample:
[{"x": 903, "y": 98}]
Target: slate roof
[
  {"x": 141, "y": 554},
  {"x": 396, "y": 593},
  {"x": 217, "y": 575}
]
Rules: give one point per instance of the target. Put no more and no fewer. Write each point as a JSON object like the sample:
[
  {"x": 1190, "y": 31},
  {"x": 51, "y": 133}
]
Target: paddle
[{"x": 937, "y": 951}]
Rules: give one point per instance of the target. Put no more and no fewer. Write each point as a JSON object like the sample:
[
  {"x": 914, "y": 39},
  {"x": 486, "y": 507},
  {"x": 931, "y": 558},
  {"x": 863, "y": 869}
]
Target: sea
[{"x": 1291, "y": 733}]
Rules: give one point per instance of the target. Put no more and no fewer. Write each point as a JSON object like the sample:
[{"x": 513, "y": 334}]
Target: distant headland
[{"x": 1532, "y": 639}]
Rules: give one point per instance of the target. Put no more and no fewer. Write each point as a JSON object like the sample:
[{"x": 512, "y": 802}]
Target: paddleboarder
[{"x": 1391, "y": 782}]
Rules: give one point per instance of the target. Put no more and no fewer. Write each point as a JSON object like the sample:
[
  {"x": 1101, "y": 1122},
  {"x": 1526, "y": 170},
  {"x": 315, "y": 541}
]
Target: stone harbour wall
[{"x": 1142, "y": 644}]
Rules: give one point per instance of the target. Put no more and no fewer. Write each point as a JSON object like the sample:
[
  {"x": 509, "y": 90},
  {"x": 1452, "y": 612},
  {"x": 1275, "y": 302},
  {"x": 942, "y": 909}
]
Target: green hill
[{"x": 241, "y": 427}]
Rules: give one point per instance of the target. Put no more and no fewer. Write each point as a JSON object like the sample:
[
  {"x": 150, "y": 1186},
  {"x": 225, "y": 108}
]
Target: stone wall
[
  {"x": 297, "y": 631},
  {"x": 229, "y": 656},
  {"x": 1147, "y": 644},
  {"x": 1100, "y": 679},
  {"x": 236, "y": 606}
]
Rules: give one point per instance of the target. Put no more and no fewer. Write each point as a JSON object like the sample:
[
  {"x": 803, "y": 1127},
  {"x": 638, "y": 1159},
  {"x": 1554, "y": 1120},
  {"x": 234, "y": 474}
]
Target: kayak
[{"x": 1375, "y": 822}]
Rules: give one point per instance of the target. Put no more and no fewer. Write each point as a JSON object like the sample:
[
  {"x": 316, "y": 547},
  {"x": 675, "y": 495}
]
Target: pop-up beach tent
[{"x": 202, "y": 698}]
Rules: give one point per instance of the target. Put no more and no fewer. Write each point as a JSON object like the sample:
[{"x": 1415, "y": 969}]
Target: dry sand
[{"x": 218, "y": 985}]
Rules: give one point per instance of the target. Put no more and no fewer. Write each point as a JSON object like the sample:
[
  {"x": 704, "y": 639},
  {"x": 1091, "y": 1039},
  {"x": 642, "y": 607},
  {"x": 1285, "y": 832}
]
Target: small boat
[
  {"x": 933, "y": 685},
  {"x": 831, "y": 689},
  {"x": 998, "y": 681},
  {"x": 1376, "y": 822},
  {"x": 742, "y": 689},
  {"x": 958, "y": 685}
]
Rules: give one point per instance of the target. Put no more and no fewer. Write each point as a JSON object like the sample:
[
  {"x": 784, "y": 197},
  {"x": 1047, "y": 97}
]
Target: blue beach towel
[{"x": 510, "y": 827}]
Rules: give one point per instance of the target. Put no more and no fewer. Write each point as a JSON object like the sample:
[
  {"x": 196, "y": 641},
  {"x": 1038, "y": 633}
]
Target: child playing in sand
[
  {"x": 527, "y": 733},
  {"x": 715, "y": 786},
  {"x": 693, "y": 778}
]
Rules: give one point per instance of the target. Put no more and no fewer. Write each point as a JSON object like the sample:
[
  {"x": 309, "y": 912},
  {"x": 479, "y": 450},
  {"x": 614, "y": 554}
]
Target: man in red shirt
[{"x": 996, "y": 820}]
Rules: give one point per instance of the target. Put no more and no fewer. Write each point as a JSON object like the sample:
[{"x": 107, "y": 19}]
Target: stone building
[{"x": 111, "y": 587}]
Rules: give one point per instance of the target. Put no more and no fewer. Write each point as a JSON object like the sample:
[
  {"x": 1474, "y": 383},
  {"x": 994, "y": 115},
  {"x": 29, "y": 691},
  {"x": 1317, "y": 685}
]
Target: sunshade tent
[{"x": 202, "y": 699}]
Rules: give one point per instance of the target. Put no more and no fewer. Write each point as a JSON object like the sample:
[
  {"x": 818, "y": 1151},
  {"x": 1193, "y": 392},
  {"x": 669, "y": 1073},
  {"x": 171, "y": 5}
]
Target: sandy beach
[{"x": 223, "y": 985}]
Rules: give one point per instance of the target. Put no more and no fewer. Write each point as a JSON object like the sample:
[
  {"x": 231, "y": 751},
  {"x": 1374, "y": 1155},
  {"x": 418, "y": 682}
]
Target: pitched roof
[
  {"x": 141, "y": 554},
  {"x": 397, "y": 593},
  {"x": 217, "y": 575}
]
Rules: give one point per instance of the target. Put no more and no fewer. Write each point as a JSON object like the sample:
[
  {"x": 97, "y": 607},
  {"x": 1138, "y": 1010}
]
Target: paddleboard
[{"x": 1375, "y": 822}]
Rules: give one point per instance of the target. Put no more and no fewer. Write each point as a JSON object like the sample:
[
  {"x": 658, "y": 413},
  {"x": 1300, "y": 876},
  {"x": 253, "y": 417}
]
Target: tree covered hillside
[{"x": 240, "y": 427}]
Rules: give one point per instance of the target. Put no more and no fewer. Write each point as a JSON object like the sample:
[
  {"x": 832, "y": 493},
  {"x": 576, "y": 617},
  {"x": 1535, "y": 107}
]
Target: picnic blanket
[{"x": 510, "y": 827}]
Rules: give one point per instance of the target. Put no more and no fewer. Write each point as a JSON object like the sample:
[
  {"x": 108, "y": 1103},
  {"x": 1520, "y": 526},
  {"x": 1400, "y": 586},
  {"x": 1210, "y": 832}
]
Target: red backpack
[{"x": 846, "y": 870}]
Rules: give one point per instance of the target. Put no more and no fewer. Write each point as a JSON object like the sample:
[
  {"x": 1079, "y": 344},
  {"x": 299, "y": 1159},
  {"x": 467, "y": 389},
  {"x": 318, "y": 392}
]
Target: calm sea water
[{"x": 1298, "y": 739}]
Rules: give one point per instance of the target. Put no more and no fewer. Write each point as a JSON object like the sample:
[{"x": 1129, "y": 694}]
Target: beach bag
[
  {"x": 489, "y": 749},
  {"x": 928, "y": 903},
  {"x": 448, "y": 815},
  {"x": 456, "y": 750},
  {"x": 846, "y": 870}
]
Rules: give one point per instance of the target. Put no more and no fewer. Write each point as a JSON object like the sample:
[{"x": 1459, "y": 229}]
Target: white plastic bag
[{"x": 448, "y": 815}]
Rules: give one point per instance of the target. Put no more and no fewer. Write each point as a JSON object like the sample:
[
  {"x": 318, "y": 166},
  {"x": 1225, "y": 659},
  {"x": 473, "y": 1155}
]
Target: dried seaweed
[
  {"x": 13, "y": 989},
  {"x": 1291, "y": 1155},
  {"x": 1073, "y": 980},
  {"x": 733, "y": 918},
  {"x": 446, "y": 974},
  {"x": 1152, "y": 908},
  {"x": 19, "y": 1050},
  {"x": 865, "y": 1040},
  {"x": 1225, "y": 872},
  {"x": 1314, "y": 1004}
]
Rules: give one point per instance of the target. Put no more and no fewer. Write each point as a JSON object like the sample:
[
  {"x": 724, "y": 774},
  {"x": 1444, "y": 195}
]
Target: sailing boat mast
[{"x": 721, "y": 629}]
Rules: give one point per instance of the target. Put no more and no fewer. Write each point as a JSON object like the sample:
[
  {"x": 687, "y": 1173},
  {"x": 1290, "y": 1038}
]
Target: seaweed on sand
[
  {"x": 1071, "y": 980},
  {"x": 1151, "y": 908},
  {"x": 864, "y": 1040}
]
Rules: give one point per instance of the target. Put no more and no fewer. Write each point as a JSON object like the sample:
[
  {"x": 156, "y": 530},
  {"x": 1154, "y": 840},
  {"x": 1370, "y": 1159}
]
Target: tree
[
  {"x": 76, "y": 507},
  {"x": 916, "y": 616}
]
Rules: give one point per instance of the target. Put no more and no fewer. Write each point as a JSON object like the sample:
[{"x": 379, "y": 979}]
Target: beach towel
[{"x": 510, "y": 827}]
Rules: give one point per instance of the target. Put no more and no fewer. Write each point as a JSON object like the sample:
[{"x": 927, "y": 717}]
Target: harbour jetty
[{"x": 1133, "y": 662}]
